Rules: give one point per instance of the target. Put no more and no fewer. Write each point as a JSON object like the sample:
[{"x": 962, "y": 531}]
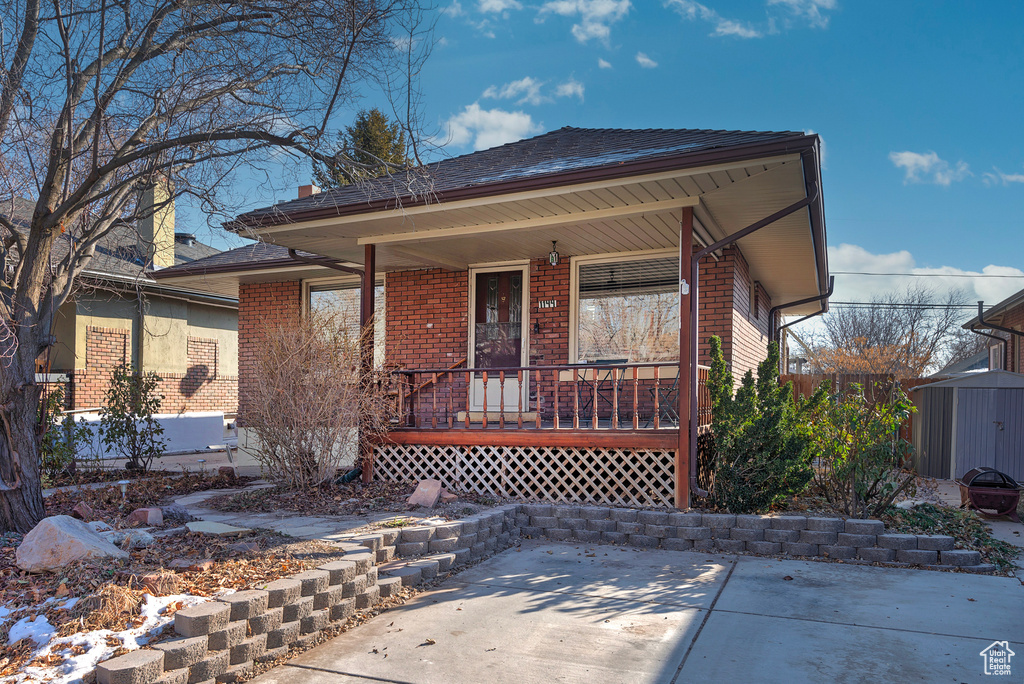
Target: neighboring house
[
  {"x": 531, "y": 299},
  {"x": 118, "y": 314},
  {"x": 972, "y": 364},
  {"x": 1003, "y": 324}
]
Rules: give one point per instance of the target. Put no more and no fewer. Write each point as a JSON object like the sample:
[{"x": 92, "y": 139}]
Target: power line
[
  {"x": 896, "y": 305},
  {"x": 928, "y": 275}
]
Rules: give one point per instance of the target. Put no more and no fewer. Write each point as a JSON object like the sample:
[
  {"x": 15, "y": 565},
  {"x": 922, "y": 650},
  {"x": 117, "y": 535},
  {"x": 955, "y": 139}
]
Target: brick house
[
  {"x": 544, "y": 335},
  {"x": 1004, "y": 324}
]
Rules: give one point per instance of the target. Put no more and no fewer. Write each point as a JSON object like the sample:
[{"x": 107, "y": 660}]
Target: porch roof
[{"x": 594, "y": 191}]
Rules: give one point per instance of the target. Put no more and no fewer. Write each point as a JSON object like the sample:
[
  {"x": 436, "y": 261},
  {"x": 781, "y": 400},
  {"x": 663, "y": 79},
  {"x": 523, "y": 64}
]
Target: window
[
  {"x": 628, "y": 310},
  {"x": 343, "y": 298},
  {"x": 995, "y": 357}
]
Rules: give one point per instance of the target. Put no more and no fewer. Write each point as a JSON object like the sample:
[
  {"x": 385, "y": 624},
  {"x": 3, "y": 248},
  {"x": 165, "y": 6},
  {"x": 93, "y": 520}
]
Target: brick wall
[
  {"x": 1014, "y": 318},
  {"x": 105, "y": 349},
  {"x": 258, "y": 304},
  {"x": 549, "y": 328},
  {"x": 426, "y": 318}
]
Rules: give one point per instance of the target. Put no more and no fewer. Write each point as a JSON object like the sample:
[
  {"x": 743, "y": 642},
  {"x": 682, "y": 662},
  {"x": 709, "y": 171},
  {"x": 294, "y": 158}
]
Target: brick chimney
[
  {"x": 156, "y": 229},
  {"x": 307, "y": 190}
]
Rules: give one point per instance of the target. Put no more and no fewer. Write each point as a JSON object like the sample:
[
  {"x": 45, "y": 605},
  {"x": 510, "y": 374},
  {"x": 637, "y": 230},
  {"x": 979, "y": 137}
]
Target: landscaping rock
[
  {"x": 131, "y": 539},
  {"x": 83, "y": 511},
  {"x": 426, "y": 494},
  {"x": 147, "y": 516},
  {"x": 243, "y": 547},
  {"x": 99, "y": 526},
  {"x": 216, "y": 529},
  {"x": 227, "y": 471},
  {"x": 60, "y": 540},
  {"x": 176, "y": 513},
  {"x": 447, "y": 497}
]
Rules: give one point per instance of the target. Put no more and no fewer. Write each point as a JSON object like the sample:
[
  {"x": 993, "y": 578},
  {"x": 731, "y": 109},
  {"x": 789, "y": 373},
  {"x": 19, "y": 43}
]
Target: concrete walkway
[{"x": 566, "y": 613}]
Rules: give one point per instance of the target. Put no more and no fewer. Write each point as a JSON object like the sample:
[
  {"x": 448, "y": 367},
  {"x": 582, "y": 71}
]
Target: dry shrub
[
  {"x": 112, "y": 607},
  {"x": 309, "y": 406}
]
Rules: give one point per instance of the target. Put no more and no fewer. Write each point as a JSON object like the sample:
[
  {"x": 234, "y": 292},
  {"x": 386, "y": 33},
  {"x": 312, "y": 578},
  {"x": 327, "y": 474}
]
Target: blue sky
[{"x": 919, "y": 105}]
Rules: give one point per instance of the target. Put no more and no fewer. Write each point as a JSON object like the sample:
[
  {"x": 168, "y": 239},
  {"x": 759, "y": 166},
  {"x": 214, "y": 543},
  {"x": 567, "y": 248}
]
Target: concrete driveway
[{"x": 595, "y": 614}]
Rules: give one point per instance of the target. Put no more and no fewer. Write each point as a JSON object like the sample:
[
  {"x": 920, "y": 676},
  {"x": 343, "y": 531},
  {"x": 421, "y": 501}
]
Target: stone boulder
[
  {"x": 426, "y": 494},
  {"x": 59, "y": 540}
]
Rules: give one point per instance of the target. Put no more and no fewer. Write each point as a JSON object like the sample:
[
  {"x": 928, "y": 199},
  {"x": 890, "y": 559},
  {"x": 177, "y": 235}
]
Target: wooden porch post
[
  {"x": 682, "y": 484},
  {"x": 366, "y": 341}
]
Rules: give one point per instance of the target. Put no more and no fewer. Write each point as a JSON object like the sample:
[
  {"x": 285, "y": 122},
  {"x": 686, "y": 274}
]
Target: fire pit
[{"x": 986, "y": 489}]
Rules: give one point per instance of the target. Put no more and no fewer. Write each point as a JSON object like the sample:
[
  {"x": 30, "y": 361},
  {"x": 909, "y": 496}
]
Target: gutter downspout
[
  {"x": 993, "y": 326},
  {"x": 774, "y": 336},
  {"x": 325, "y": 263},
  {"x": 811, "y": 195}
]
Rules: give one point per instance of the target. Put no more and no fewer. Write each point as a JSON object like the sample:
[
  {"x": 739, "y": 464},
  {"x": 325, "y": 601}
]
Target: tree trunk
[{"x": 21, "y": 506}]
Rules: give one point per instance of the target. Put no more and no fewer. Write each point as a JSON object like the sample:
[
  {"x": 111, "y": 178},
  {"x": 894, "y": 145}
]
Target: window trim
[{"x": 574, "y": 284}]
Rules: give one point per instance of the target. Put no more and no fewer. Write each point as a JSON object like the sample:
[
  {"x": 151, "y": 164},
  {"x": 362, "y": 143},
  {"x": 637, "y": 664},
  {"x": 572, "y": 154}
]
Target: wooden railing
[{"x": 620, "y": 396}]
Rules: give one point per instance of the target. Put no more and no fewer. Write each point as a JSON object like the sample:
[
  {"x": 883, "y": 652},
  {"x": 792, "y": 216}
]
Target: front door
[{"x": 498, "y": 338}]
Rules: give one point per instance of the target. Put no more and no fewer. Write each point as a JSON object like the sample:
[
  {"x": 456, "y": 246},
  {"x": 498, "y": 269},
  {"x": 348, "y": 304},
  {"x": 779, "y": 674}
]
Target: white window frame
[
  {"x": 574, "y": 284},
  {"x": 346, "y": 282},
  {"x": 498, "y": 267}
]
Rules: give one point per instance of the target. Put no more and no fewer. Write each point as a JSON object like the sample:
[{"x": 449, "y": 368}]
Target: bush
[
  {"x": 310, "y": 410},
  {"x": 61, "y": 438},
  {"x": 860, "y": 452},
  {"x": 762, "y": 446},
  {"x": 126, "y": 419}
]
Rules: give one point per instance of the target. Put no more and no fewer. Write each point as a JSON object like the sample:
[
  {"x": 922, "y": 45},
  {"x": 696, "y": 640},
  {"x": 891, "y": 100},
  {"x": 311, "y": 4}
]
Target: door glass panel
[
  {"x": 515, "y": 296},
  {"x": 492, "y": 300}
]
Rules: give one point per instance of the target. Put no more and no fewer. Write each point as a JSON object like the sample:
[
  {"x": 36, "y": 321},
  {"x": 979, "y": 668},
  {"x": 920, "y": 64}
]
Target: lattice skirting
[{"x": 633, "y": 477}]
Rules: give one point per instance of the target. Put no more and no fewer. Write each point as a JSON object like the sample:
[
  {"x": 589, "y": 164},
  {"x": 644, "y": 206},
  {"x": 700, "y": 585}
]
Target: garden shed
[{"x": 975, "y": 419}]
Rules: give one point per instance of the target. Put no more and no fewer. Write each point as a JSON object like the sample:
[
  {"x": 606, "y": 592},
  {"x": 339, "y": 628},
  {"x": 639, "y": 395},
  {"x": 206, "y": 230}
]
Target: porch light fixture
[{"x": 553, "y": 254}]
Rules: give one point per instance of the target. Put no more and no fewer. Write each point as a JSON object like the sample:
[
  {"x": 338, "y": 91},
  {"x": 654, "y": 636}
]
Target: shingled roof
[{"x": 553, "y": 156}]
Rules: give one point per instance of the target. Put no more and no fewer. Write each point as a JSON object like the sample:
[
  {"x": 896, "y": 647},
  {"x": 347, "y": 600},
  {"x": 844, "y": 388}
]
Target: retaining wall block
[
  {"x": 442, "y": 545},
  {"x": 544, "y": 510},
  {"x": 980, "y": 569},
  {"x": 877, "y": 554},
  {"x": 601, "y": 525},
  {"x": 547, "y": 522},
  {"x": 558, "y": 535},
  {"x": 354, "y": 587},
  {"x": 676, "y": 544},
  {"x": 595, "y": 512},
  {"x": 272, "y": 654},
  {"x": 531, "y": 532},
  {"x": 626, "y": 515},
  {"x": 183, "y": 652},
  {"x": 652, "y": 517},
  {"x": 522, "y": 520},
  {"x": 834, "y": 525},
  {"x": 462, "y": 556},
  {"x": 313, "y": 581},
  {"x": 587, "y": 536},
  {"x": 800, "y": 549},
  {"x": 385, "y": 554},
  {"x": 566, "y": 511},
  {"x": 343, "y": 609},
  {"x": 693, "y": 533},
  {"x": 857, "y": 540},
  {"x": 416, "y": 534},
  {"x": 721, "y": 532},
  {"x": 491, "y": 545},
  {"x": 411, "y": 548},
  {"x": 233, "y": 633},
  {"x": 283, "y": 635},
  {"x": 703, "y": 544},
  {"x": 718, "y": 520},
  {"x": 899, "y": 542},
  {"x": 788, "y": 522},
  {"x": 467, "y": 540},
  {"x": 781, "y": 536},
  {"x": 370, "y": 541},
  {"x": 338, "y": 572},
  {"x": 213, "y": 664},
  {"x": 471, "y": 526},
  {"x": 574, "y": 523},
  {"x": 746, "y": 534},
  {"x": 298, "y": 610},
  {"x": 753, "y": 522},
  {"x": 371, "y": 576},
  {"x": 282, "y": 591},
  {"x": 764, "y": 548},
  {"x": 659, "y": 531},
  {"x": 730, "y": 545},
  {"x": 613, "y": 537},
  {"x": 838, "y": 551},
  {"x": 629, "y": 527},
  {"x": 935, "y": 542},
  {"x": 960, "y": 557},
  {"x": 250, "y": 648},
  {"x": 173, "y": 677},
  {"x": 272, "y": 619},
  {"x": 688, "y": 519},
  {"x": 326, "y": 599},
  {"x": 317, "y": 620},
  {"x": 854, "y": 526},
  {"x": 363, "y": 561},
  {"x": 917, "y": 556},
  {"x": 445, "y": 561},
  {"x": 450, "y": 530},
  {"x": 309, "y": 639},
  {"x": 249, "y": 603},
  {"x": 368, "y": 598},
  {"x": 643, "y": 541},
  {"x": 503, "y": 539},
  {"x": 818, "y": 537},
  {"x": 235, "y": 673},
  {"x": 202, "y": 619},
  {"x": 479, "y": 550},
  {"x": 484, "y": 532},
  {"x": 137, "y": 667},
  {"x": 390, "y": 536}
]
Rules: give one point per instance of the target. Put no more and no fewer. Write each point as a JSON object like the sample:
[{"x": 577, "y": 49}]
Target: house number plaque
[{"x": 548, "y": 303}]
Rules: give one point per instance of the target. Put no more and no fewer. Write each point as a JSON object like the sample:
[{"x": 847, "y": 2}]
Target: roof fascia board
[
  {"x": 525, "y": 224},
  {"x": 269, "y": 266}
]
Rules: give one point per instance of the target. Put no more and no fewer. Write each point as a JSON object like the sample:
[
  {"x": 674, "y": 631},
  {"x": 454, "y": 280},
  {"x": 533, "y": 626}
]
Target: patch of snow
[
  {"x": 74, "y": 667},
  {"x": 69, "y": 604},
  {"x": 39, "y": 630},
  {"x": 910, "y": 503}
]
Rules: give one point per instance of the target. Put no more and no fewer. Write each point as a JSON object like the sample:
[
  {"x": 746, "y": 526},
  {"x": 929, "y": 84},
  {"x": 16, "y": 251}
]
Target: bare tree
[
  {"x": 903, "y": 333},
  {"x": 101, "y": 100}
]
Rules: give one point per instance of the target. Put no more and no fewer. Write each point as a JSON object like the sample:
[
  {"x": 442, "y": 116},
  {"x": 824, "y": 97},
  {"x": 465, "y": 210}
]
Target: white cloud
[
  {"x": 928, "y": 168},
  {"x": 571, "y": 88},
  {"x": 811, "y": 10},
  {"x": 997, "y": 177},
  {"x": 692, "y": 11},
  {"x": 645, "y": 61},
  {"x": 499, "y": 5},
  {"x": 527, "y": 89},
  {"x": 942, "y": 279},
  {"x": 595, "y": 16},
  {"x": 454, "y": 9},
  {"x": 603, "y": 64},
  {"x": 486, "y": 128}
]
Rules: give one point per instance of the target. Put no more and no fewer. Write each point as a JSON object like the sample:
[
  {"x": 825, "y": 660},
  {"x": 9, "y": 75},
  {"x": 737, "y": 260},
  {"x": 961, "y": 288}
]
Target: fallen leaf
[{"x": 787, "y": 578}]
